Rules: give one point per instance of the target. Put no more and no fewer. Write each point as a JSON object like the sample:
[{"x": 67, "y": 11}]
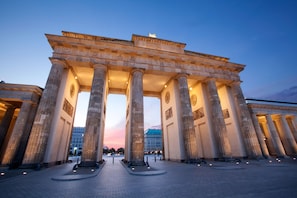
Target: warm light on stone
[{"x": 215, "y": 122}]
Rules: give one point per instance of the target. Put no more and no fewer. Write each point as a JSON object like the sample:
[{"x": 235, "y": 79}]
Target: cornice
[
  {"x": 256, "y": 107},
  {"x": 20, "y": 87},
  {"x": 158, "y": 44}
]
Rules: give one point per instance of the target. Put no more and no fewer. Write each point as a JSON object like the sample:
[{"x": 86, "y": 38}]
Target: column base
[
  {"x": 283, "y": 156},
  {"x": 193, "y": 161},
  {"x": 14, "y": 165},
  {"x": 136, "y": 163},
  {"x": 89, "y": 164},
  {"x": 36, "y": 166},
  {"x": 228, "y": 159}
]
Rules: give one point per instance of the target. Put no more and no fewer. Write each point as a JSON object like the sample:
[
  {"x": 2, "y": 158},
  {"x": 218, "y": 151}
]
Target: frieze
[
  {"x": 168, "y": 113},
  {"x": 67, "y": 107},
  {"x": 226, "y": 113},
  {"x": 199, "y": 113}
]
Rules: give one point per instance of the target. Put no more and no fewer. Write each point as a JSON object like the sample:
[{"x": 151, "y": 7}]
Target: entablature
[
  {"x": 80, "y": 52},
  {"x": 263, "y": 109},
  {"x": 125, "y": 50}
]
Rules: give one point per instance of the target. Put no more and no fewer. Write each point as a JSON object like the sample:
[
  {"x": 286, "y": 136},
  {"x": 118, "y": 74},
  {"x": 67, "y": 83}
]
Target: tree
[
  {"x": 121, "y": 150},
  {"x": 112, "y": 150},
  {"x": 105, "y": 150}
]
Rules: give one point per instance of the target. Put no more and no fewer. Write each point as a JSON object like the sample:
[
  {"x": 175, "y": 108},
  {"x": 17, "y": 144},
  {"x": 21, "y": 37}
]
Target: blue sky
[{"x": 262, "y": 34}]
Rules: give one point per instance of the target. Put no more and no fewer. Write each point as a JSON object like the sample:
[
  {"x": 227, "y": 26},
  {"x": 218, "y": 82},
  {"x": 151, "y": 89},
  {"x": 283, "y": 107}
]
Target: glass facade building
[
  {"x": 152, "y": 140},
  {"x": 77, "y": 139}
]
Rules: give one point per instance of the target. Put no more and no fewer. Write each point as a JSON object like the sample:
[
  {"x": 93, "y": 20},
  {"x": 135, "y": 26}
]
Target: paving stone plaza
[{"x": 264, "y": 178}]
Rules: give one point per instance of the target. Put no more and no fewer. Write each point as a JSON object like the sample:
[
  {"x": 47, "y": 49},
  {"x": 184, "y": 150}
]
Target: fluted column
[
  {"x": 246, "y": 125},
  {"x": 218, "y": 123},
  {"x": 188, "y": 129},
  {"x": 279, "y": 149},
  {"x": 5, "y": 123},
  {"x": 260, "y": 135},
  {"x": 17, "y": 133},
  {"x": 41, "y": 128},
  {"x": 293, "y": 121},
  {"x": 288, "y": 136},
  {"x": 136, "y": 118},
  {"x": 94, "y": 118},
  {"x": 17, "y": 160}
]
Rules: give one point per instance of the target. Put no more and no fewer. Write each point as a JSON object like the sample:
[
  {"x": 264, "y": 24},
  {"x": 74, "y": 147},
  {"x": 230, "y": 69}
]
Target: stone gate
[{"x": 203, "y": 110}]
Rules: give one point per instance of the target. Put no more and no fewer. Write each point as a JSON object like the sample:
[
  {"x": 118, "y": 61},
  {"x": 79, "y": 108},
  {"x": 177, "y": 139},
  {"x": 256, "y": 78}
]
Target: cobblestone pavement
[{"x": 214, "y": 179}]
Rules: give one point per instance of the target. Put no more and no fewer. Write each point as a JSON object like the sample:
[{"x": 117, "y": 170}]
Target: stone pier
[
  {"x": 246, "y": 125},
  {"x": 188, "y": 130},
  {"x": 218, "y": 123},
  {"x": 136, "y": 118},
  {"x": 275, "y": 137},
  {"x": 94, "y": 128},
  {"x": 38, "y": 139}
]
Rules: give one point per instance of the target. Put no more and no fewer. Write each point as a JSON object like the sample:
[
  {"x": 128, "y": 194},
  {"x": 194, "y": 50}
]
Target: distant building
[
  {"x": 77, "y": 140},
  {"x": 153, "y": 140}
]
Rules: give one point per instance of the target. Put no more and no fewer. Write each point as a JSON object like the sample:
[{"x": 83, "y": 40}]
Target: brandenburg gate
[{"x": 203, "y": 110}]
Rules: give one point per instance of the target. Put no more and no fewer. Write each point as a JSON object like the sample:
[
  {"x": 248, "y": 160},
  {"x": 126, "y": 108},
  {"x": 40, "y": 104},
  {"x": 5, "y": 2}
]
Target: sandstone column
[
  {"x": 279, "y": 149},
  {"x": 246, "y": 125},
  {"x": 41, "y": 128},
  {"x": 260, "y": 135},
  {"x": 94, "y": 118},
  {"x": 293, "y": 124},
  {"x": 218, "y": 123},
  {"x": 5, "y": 123},
  {"x": 136, "y": 118},
  {"x": 17, "y": 133},
  {"x": 288, "y": 136},
  {"x": 17, "y": 160},
  {"x": 188, "y": 129}
]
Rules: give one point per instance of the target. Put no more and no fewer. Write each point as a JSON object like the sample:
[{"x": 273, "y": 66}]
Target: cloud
[{"x": 287, "y": 95}]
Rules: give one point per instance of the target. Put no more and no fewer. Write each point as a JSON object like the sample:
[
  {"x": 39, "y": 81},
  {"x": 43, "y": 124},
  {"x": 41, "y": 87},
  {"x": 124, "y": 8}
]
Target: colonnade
[
  {"x": 262, "y": 134},
  {"x": 20, "y": 105},
  {"x": 216, "y": 139},
  {"x": 276, "y": 133}
]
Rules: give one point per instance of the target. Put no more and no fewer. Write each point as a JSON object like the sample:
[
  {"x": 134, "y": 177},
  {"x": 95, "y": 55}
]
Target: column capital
[
  {"x": 235, "y": 83},
  {"x": 99, "y": 66},
  {"x": 137, "y": 70},
  {"x": 9, "y": 106},
  {"x": 277, "y": 116},
  {"x": 185, "y": 75},
  {"x": 58, "y": 61},
  {"x": 209, "y": 79}
]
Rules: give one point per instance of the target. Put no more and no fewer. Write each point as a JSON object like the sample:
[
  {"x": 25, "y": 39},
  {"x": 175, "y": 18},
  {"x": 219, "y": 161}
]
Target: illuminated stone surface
[{"x": 217, "y": 123}]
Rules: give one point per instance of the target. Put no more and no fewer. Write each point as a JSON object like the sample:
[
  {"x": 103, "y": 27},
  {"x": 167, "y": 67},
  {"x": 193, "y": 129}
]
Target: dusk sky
[{"x": 261, "y": 34}]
